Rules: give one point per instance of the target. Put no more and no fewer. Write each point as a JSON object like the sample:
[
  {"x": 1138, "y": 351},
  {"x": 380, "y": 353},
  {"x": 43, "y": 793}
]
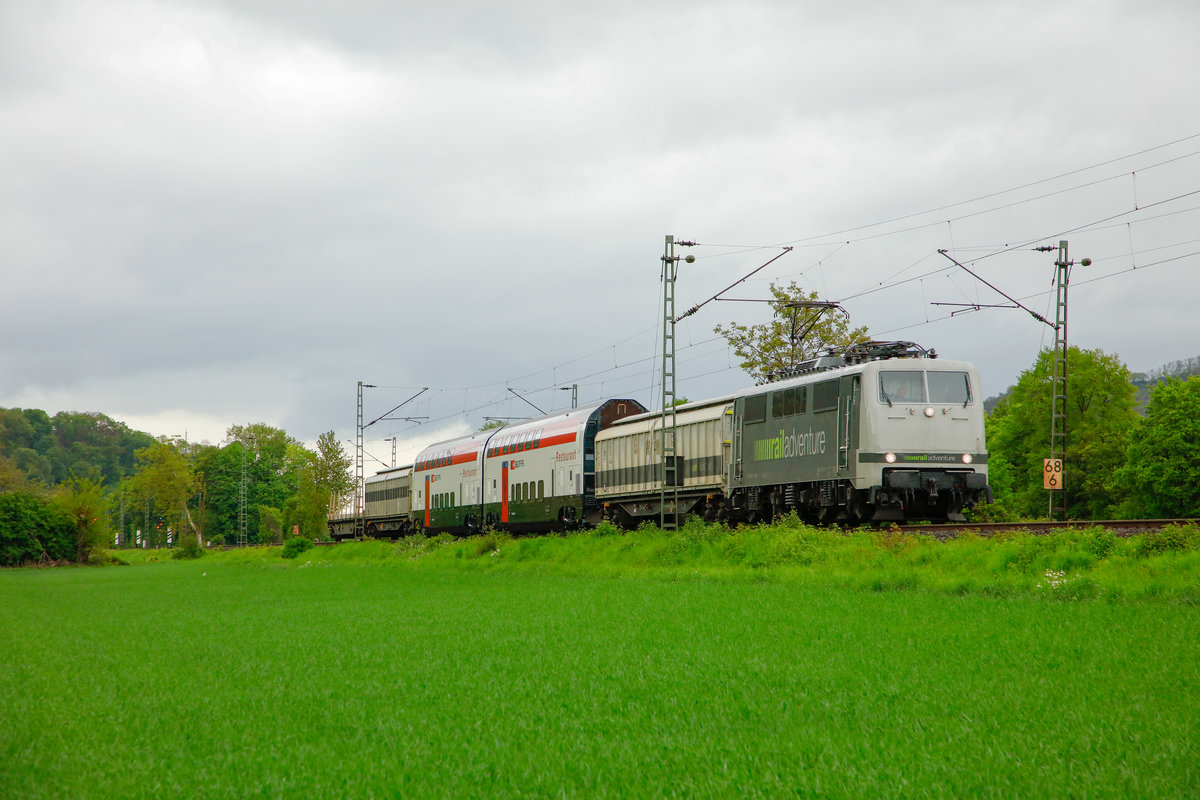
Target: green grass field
[{"x": 613, "y": 666}]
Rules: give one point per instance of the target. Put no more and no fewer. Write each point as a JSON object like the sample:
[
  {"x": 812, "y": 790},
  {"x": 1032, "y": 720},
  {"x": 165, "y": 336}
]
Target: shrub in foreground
[
  {"x": 295, "y": 546},
  {"x": 189, "y": 547}
]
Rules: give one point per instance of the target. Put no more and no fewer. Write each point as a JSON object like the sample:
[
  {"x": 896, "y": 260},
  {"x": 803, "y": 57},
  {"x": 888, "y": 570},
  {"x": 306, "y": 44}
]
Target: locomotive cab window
[
  {"x": 949, "y": 387},
  {"x": 897, "y": 386}
]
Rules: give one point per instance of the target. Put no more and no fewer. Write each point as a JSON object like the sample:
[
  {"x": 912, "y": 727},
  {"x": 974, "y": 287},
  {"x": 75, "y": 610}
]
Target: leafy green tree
[
  {"x": 165, "y": 477},
  {"x": 220, "y": 472},
  {"x": 1161, "y": 475},
  {"x": 270, "y": 525},
  {"x": 308, "y": 508},
  {"x": 33, "y": 530},
  {"x": 12, "y": 477},
  {"x": 795, "y": 334},
  {"x": 84, "y": 501},
  {"x": 33, "y": 464},
  {"x": 331, "y": 469},
  {"x": 273, "y": 464},
  {"x": 1100, "y": 418},
  {"x": 94, "y": 444}
]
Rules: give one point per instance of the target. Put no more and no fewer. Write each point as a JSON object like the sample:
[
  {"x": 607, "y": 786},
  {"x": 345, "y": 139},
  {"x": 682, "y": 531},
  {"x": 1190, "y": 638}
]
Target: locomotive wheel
[{"x": 860, "y": 513}]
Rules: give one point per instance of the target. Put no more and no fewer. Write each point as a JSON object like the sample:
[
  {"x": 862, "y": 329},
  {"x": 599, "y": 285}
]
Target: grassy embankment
[{"x": 770, "y": 661}]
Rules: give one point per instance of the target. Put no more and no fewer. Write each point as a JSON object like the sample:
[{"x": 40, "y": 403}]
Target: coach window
[{"x": 541, "y": 490}]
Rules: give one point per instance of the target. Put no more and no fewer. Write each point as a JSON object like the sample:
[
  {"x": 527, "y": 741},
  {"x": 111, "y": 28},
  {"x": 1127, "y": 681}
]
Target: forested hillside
[
  {"x": 75, "y": 482},
  {"x": 1145, "y": 381},
  {"x": 52, "y": 449}
]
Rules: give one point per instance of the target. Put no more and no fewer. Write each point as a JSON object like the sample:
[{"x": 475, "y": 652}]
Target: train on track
[{"x": 882, "y": 432}]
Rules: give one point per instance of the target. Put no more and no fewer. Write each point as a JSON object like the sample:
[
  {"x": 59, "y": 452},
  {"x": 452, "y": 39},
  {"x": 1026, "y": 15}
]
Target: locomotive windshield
[
  {"x": 909, "y": 386},
  {"x": 949, "y": 387}
]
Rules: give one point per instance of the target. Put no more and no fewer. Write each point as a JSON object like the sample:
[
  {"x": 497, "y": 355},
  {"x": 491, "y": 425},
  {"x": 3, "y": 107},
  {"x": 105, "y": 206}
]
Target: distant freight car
[{"x": 386, "y": 507}]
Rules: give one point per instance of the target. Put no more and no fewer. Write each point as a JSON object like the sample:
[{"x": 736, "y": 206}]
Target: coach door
[{"x": 848, "y": 397}]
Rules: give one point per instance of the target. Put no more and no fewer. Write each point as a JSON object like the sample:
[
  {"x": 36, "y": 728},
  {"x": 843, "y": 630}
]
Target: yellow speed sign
[{"x": 1052, "y": 474}]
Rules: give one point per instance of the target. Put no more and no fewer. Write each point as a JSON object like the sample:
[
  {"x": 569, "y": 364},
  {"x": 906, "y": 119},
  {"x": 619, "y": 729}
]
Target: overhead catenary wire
[{"x": 618, "y": 364}]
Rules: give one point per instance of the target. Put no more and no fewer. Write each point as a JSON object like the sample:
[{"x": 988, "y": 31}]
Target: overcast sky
[{"x": 217, "y": 213}]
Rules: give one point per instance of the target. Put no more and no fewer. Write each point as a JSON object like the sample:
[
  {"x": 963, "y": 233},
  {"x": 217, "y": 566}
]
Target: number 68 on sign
[{"x": 1052, "y": 474}]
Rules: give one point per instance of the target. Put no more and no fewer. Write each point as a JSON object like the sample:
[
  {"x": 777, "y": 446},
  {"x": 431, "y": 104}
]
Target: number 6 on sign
[{"x": 1052, "y": 477}]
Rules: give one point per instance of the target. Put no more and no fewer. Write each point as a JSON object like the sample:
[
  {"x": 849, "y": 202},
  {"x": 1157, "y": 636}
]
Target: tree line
[{"x": 74, "y": 484}]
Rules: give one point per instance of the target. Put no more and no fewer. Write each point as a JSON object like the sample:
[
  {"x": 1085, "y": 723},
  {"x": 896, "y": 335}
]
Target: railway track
[{"x": 1120, "y": 527}]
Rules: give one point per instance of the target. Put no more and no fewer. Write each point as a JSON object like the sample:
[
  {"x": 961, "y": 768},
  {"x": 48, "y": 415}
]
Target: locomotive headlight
[
  {"x": 967, "y": 458},
  {"x": 890, "y": 458},
  {"x": 929, "y": 411}
]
